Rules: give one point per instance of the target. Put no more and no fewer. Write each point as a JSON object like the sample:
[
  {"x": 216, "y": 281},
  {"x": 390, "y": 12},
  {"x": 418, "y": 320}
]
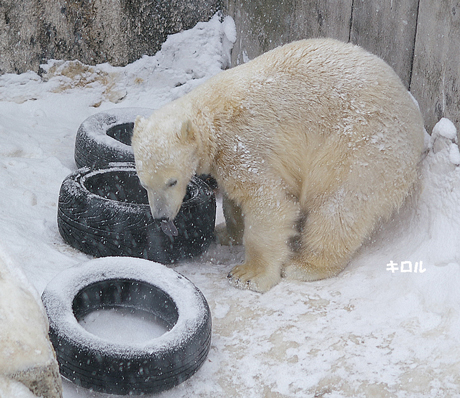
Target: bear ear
[
  {"x": 139, "y": 123},
  {"x": 187, "y": 132}
]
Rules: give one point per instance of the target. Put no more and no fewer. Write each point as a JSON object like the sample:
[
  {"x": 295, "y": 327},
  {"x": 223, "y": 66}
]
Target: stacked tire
[
  {"x": 103, "y": 209},
  {"x": 106, "y": 137}
]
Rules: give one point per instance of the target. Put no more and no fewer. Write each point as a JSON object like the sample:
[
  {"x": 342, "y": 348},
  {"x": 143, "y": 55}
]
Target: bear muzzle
[{"x": 162, "y": 208}]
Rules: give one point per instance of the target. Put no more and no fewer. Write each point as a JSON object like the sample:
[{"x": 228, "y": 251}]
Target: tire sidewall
[
  {"x": 102, "y": 227},
  {"x": 153, "y": 366}
]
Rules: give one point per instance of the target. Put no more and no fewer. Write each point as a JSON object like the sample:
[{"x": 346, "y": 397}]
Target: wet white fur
[{"x": 315, "y": 142}]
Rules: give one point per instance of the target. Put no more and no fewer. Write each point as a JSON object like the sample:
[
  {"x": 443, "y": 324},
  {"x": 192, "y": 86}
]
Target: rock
[{"x": 34, "y": 31}]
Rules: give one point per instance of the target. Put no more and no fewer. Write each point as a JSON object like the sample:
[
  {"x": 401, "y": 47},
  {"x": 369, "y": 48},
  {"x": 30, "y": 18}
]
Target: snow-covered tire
[
  {"x": 105, "y": 137},
  {"x": 105, "y": 212},
  {"x": 156, "y": 365}
]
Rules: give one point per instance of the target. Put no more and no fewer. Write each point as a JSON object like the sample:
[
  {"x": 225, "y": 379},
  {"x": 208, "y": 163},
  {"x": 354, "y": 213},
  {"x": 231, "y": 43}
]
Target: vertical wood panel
[
  {"x": 321, "y": 18},
  {"x": 261, "y": 25},
  {"x": 420, "y": 39},
  {"x": 387, "y": 28},
  {"x": 265, "y": 24},
  {"x": 436, "y": 70}
]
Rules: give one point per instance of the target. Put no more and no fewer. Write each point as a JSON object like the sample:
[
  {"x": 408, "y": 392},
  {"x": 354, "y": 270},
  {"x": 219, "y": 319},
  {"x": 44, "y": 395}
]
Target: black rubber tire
[
  {"x": 105, "y": 137},
  {"x": 156, "y": 365},
  {"x": 105, "y": 212}
]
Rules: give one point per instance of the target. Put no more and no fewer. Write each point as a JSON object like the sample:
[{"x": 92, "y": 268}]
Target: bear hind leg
[{"x": 328, "y": 240}]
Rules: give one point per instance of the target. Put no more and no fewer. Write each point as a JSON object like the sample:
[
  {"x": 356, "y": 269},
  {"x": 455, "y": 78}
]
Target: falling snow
[{"x": 365, "y": 333}]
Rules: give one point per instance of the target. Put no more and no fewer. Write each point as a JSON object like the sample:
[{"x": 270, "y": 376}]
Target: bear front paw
[{"x": 255, "y": 278}]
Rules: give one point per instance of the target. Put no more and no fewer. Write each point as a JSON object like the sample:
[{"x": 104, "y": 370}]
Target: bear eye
[{"x": 171, "y": 183}]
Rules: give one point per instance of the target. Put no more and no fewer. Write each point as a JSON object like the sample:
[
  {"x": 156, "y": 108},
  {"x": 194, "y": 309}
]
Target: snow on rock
[
  {"x": 454, "y": 154},
  {"x": 184, "y": 61},
  {"x": 446, "y": 129},
  {"x": 445, "y": 136},
  {"x": 444, "y": 133},
  {"x": 26, "y": 354}
]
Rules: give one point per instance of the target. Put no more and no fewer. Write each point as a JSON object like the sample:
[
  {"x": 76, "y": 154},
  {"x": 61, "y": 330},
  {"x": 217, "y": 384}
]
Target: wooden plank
[
  {"x": 265, "y": 24},
  {"x": 436, "y": 71},
  {"x": 321, "y": 18},
  {"x": 261, "y": 25},
  {"x": 387, "y": 28}
]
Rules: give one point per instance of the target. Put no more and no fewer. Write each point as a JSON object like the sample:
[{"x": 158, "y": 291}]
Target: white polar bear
[{"x": 315, "y": 142}]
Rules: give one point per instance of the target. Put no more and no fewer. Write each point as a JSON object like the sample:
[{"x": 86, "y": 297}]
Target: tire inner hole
[
  {"x": 122, "y": 132},
  {"x": 124, "y": 186},
  {"x": 125, "y": 311}
]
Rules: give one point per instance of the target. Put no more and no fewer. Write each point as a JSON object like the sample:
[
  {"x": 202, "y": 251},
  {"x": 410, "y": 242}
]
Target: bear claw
[{"x": 242, "y": 279}]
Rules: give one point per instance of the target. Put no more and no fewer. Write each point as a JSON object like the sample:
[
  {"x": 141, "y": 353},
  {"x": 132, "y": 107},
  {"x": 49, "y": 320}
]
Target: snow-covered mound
[
  {"x": 388, "y": 326},
  {"x": 26, "y": 354}
]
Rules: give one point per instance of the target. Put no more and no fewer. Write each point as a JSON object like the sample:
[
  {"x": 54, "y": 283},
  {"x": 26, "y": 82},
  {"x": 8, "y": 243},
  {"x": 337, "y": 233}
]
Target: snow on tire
[
  {"x": 139, "y": 285},
  {"x": 105, "y": 137},
  {"x": 105, "y": 212}
]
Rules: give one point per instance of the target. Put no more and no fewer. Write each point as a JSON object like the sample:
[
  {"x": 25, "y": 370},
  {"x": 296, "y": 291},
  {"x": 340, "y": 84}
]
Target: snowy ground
[{"x": 370, "y": 332}]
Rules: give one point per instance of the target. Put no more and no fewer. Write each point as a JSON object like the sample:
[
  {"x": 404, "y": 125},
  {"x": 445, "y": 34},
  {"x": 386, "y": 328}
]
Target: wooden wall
[
  {"x": 420, "y": 39},
  {"x": 436, "y": 66}
]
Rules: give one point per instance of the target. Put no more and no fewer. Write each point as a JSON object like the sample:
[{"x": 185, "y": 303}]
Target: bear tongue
[{"x": 168, "y": 227}]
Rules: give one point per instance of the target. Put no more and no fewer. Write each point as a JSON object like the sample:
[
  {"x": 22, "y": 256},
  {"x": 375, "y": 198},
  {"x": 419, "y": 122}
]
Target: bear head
[{"x": 165, "y": 153}]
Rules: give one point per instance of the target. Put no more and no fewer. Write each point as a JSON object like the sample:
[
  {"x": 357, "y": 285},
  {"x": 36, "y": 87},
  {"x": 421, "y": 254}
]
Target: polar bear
[{"x": 313, "y": 144}]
